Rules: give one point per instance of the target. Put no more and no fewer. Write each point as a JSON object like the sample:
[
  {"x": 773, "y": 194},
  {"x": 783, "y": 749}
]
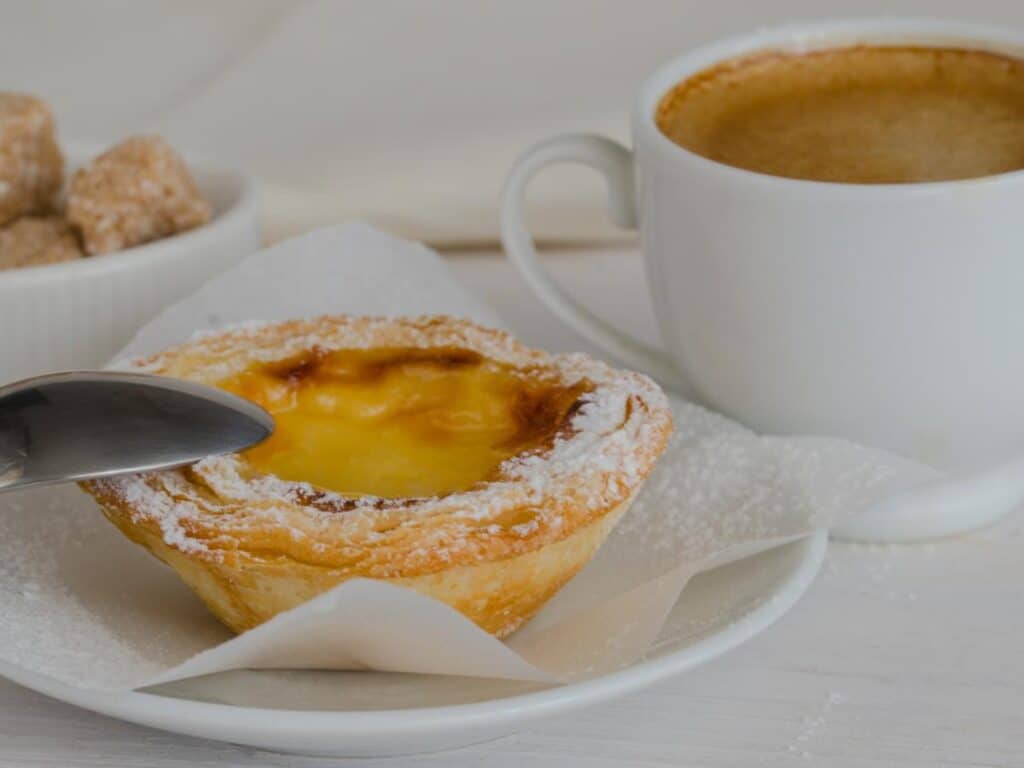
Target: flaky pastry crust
[{"x": 255, "y": 546}]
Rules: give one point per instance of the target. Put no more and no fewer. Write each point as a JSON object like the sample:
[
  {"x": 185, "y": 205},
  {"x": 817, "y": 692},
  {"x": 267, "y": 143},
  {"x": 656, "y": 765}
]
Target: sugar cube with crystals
[
  {"x": 137, "y": 191},
  {"x": 31, "y": 165},
  {"x": 34, "y": 240}
]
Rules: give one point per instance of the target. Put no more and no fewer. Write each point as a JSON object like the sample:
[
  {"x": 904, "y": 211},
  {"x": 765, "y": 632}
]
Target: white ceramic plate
[{"x": 376, "y": 714}]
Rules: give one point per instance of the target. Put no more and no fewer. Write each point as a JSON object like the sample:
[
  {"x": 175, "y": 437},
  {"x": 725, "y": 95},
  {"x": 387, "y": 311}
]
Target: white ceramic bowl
[{"x": 78, "y": 314}]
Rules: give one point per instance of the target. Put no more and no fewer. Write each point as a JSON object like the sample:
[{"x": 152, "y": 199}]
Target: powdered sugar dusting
[
  {"x": 82, "y": 605},
  {"x": 613, "y": 440}
]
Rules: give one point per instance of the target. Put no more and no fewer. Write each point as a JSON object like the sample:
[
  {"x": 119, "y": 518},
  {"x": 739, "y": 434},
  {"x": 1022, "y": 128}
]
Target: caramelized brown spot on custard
[
  {"x": 401, "y": 422},
  {"x": 295, "y": 370}
]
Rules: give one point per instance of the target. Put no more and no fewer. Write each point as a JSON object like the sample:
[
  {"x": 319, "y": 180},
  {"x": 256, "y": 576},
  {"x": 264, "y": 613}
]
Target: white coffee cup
[{"x": 889, "y": 314}]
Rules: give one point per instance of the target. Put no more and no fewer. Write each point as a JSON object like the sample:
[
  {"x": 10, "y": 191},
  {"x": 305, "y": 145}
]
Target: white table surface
[{"x": 907, "y": 656}]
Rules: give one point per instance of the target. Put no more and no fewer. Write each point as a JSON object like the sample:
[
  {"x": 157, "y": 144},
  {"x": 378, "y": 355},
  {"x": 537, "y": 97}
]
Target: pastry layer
[{"x": 494, "y": 538}]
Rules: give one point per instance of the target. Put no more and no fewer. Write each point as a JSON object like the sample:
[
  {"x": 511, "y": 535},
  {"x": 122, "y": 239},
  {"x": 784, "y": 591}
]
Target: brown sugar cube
[
  {"x": 137, "y": 191},
  {"x": 34, "y": 240},
  {"x": 31, "y": 166}
]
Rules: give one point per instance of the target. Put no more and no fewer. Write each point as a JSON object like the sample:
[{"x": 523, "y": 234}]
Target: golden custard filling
[{"x": 400, "y": 422}]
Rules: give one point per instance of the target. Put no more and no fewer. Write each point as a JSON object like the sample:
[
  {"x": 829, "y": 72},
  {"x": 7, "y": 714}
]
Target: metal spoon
[{"x": 88, "y": 424}]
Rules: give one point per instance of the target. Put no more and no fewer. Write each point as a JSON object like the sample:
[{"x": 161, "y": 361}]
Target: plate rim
[{"x": 236, "y": 723}]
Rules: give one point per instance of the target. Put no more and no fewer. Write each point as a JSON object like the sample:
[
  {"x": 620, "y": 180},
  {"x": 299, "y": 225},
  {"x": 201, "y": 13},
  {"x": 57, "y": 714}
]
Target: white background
[{"x": 406, "y": 112}]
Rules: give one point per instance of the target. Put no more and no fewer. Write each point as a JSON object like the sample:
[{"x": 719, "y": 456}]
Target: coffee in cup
[{"x": 862, "y": 114}]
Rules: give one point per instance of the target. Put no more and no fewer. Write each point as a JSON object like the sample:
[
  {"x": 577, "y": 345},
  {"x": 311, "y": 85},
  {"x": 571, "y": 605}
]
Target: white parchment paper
[{"x": 82, "y": 604}]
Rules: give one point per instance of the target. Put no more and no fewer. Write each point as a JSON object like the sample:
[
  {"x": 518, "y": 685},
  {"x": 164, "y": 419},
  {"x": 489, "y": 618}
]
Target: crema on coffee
[{"x": 866, "y": 114}]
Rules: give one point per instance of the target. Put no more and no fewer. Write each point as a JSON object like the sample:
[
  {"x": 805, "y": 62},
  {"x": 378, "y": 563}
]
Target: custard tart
[{"x": 431, "y": 453}]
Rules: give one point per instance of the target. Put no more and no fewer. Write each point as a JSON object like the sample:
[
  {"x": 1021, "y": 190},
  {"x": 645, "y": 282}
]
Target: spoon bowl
[{"x": 87, "y": 424}]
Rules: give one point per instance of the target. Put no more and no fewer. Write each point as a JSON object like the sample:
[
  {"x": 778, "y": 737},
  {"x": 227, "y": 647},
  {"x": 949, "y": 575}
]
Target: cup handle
[{"x": 615, "y": 163}]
